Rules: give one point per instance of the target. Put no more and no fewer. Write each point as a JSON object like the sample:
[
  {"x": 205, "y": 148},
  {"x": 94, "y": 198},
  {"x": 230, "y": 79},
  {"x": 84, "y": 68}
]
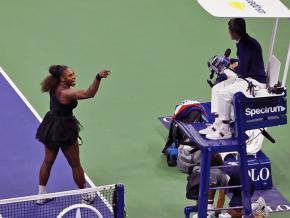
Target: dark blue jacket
[{"x": 250, "y": 57}]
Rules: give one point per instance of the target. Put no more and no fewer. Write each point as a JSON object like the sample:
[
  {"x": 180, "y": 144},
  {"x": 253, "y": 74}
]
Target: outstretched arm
[{"x": 90, "y": 92}]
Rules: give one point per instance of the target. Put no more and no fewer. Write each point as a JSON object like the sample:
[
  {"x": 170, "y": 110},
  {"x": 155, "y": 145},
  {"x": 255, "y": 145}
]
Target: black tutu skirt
[{"x": 58, "y": 131}]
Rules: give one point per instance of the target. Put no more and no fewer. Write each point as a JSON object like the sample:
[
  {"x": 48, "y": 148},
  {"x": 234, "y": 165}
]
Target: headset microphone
[{"x": 228, "y": 53}]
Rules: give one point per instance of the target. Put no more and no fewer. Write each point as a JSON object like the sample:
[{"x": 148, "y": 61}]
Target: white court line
[{"x": 36, "y": 114}]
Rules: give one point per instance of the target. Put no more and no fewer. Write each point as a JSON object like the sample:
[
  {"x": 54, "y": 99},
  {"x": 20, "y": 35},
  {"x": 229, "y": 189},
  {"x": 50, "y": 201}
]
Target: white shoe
[
  {"x": 223, "y": 132},
  {"x": 88, "y": 198},
  {"x": 260, "y": 207},
  {"x": 212, "y": 128},
  {"x": 43, "y": 201},
  {"x": 225, "y": 215}
]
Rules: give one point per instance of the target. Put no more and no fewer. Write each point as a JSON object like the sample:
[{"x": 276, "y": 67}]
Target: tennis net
[{"x": 101, "y": 202}]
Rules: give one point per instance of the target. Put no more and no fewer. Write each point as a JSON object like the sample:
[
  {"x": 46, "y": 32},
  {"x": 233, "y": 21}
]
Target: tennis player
[{"x": 59, "y": 128}]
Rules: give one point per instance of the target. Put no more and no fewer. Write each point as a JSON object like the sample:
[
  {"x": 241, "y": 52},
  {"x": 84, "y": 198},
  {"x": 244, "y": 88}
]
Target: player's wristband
[{"x": 98, "y": 77}]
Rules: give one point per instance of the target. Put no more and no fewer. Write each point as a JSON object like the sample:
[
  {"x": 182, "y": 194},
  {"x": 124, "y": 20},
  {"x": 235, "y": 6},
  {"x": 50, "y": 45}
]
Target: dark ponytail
[{"x": 50, "y": 83}]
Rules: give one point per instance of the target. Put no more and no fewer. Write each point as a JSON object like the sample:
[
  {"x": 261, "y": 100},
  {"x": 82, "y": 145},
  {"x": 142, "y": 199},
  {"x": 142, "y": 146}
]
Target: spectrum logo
[{"x": 276, "y": 109}]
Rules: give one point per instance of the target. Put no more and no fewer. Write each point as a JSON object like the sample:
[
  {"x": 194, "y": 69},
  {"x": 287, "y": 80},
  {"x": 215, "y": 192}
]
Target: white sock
[
  {"x": 41, "y": 189},
  {"x": 210, "y": 213},
  {"x": 209, "y": 206},
  {"x": 218, "y": 122}
]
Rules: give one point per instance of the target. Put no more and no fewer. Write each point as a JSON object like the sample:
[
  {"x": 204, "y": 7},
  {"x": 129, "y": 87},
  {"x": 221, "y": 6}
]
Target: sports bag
[
  {"x": 187, "y": 158},
  {"x": 189, "y": 112}
]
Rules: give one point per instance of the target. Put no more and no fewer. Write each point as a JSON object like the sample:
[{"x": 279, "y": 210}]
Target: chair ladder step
[
  {"x": 224, "y": 187},
  {"x": 225, "y": 208}
]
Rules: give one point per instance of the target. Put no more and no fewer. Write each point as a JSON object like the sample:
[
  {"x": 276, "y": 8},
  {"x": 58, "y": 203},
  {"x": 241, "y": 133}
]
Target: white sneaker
[
  {"x": 211, "y": 128},
  {"x": 225, "y": 215},
  {"x": 88, "y": 198},
  {"x": 43, "y": 201},
  {"x": 223, "y": 132},
  {"x": 260, "y": 207}
]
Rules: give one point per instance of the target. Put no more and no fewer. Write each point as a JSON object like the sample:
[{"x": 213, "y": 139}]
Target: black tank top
[{"x": 59, "y": 109}]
